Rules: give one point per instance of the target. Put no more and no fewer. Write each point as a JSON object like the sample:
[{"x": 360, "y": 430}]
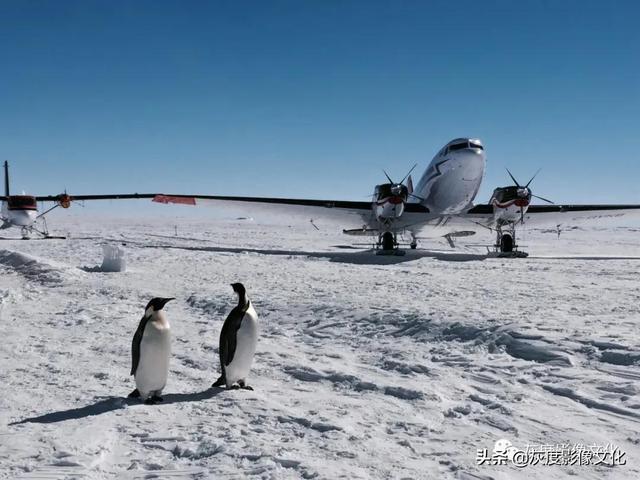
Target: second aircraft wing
[{"x": 347, "y": 214}]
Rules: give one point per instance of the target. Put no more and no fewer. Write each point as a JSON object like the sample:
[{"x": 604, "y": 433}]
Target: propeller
[
  {"x": 512, "y": 177},
  {"x": 395, "y": 185},
  {"x": 534, "y": 176},
  {"x": 543, "y": 199},
  {"x": 408, "y": 173},
  {"x": 525, "y": 192}
]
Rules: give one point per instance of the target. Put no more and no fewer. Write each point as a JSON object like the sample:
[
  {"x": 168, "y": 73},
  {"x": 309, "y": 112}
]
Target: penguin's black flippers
[{"x": 135, "y": 345}]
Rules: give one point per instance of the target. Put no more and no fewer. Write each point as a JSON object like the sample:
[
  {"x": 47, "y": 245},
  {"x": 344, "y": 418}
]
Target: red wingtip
[{"x": 174, "y": 199}]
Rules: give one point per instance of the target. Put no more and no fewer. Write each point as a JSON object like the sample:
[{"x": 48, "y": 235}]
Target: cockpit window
[
  {"x": 476, "y": 145},
  {"x": 458, "y": 146}
]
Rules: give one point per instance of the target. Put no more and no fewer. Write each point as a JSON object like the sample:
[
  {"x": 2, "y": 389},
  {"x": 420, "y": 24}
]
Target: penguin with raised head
[
  {"x": 238, "y": 340},
  {"x": 150, "y": 352}
]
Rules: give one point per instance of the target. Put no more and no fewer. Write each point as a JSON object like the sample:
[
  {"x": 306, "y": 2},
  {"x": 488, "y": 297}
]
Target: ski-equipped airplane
[
  {"x": 21, "y": 211},
  {"x": 441, "y": 204},
  {"x": 448, "y": 186}
]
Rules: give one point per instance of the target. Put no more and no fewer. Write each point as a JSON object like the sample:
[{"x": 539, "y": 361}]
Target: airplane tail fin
[
  {"x": 6, "y": 178},
  {"x": 410, "y": 185}
]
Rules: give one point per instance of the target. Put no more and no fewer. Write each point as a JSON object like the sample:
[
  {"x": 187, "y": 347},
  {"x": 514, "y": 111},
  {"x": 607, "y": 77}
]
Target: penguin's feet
[
  {"x": 150, "y": 401},
  {"x": 240, "y": 387},
  {"x": 219, "y": 382},
  {"x": 134, "y": 394},
  {"x": 157, "y": 398},
  {"x": 244, "y": 386}
]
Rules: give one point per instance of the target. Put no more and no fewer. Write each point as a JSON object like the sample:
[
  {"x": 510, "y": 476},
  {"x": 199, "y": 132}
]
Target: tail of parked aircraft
[{"x": 6, "y": 178}]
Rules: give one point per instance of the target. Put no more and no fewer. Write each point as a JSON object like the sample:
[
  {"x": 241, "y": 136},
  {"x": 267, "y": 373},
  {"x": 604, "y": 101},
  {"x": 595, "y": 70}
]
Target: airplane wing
[
  {"x": 353, "y": 216},
  {"x": 481, "y": 218},
  {"x": 117, "y": 196},
  {"x": 64, "y": 200},
  {"x": 347, "y": 214},
  {"x": 553, "y": 215}
]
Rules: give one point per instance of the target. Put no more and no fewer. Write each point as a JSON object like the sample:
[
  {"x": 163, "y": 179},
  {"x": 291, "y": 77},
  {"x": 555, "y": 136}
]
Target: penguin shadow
[
  {"x": 109, "y": 404},
  {"x": 96, "y": 269},
  {"x": 360, "y": 257}
]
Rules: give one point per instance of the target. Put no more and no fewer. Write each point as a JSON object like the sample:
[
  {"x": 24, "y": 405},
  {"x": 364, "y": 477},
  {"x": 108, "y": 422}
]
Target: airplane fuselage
[
  {"x": 447, "y": 187},
  {"x": 18, "y": 211},
  {"x": 452, "y": 180}
]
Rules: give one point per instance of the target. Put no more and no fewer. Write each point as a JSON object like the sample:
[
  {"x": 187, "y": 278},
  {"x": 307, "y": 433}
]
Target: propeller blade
[
  {"x": 513, "y": 178},
  {"x": 543, "y": 199},
  {"x": 388, "y": 178},
  {"x": 522, "y": 215},
  {"x": 534, "y": 176},
  {"x": 408, "y": 173}
]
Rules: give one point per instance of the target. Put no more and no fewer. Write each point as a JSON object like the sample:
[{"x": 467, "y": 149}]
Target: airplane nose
[
  {"x": 473, "y": 161},
  {"x": 472, "y": 153},
  {"x": 462, "y": 173}
]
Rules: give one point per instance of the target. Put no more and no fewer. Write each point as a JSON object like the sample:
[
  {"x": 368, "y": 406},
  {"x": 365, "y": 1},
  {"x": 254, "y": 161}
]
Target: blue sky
[{"x": 313, "y": 98}]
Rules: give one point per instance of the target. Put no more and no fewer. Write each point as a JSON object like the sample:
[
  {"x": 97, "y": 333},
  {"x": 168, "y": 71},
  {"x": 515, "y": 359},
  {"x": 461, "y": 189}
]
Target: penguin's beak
[{"x": 165, "y": 300}]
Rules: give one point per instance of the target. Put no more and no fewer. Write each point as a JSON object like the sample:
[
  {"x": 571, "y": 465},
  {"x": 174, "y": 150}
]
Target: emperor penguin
[
  {"x": 238, "y": 340},
  {"x": 150, "y": 351}
]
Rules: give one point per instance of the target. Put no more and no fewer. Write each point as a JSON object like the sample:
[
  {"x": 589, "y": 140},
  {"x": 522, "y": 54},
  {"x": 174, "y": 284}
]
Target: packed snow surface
[{"x": 366, "y": 366}]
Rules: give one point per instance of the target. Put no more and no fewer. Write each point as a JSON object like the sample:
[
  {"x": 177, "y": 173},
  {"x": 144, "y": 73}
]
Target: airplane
[
  {"x": 447, "y": 186},
  {"x": 440, "y": 205},
  {"x": 21, "y": 211}
]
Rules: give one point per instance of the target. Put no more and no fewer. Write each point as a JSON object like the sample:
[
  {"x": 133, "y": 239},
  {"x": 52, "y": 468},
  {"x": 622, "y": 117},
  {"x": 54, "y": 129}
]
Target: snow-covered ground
[{"x": 367, "y": 366}]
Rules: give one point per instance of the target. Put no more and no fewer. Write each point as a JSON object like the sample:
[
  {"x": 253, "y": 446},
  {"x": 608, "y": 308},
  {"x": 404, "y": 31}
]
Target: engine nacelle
[{"x": 64, "y": 200}]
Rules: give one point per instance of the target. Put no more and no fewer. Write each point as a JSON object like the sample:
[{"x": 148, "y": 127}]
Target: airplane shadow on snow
[
  {"x": 110, "y": 404},
  {"x": 361, "y": 257}
]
